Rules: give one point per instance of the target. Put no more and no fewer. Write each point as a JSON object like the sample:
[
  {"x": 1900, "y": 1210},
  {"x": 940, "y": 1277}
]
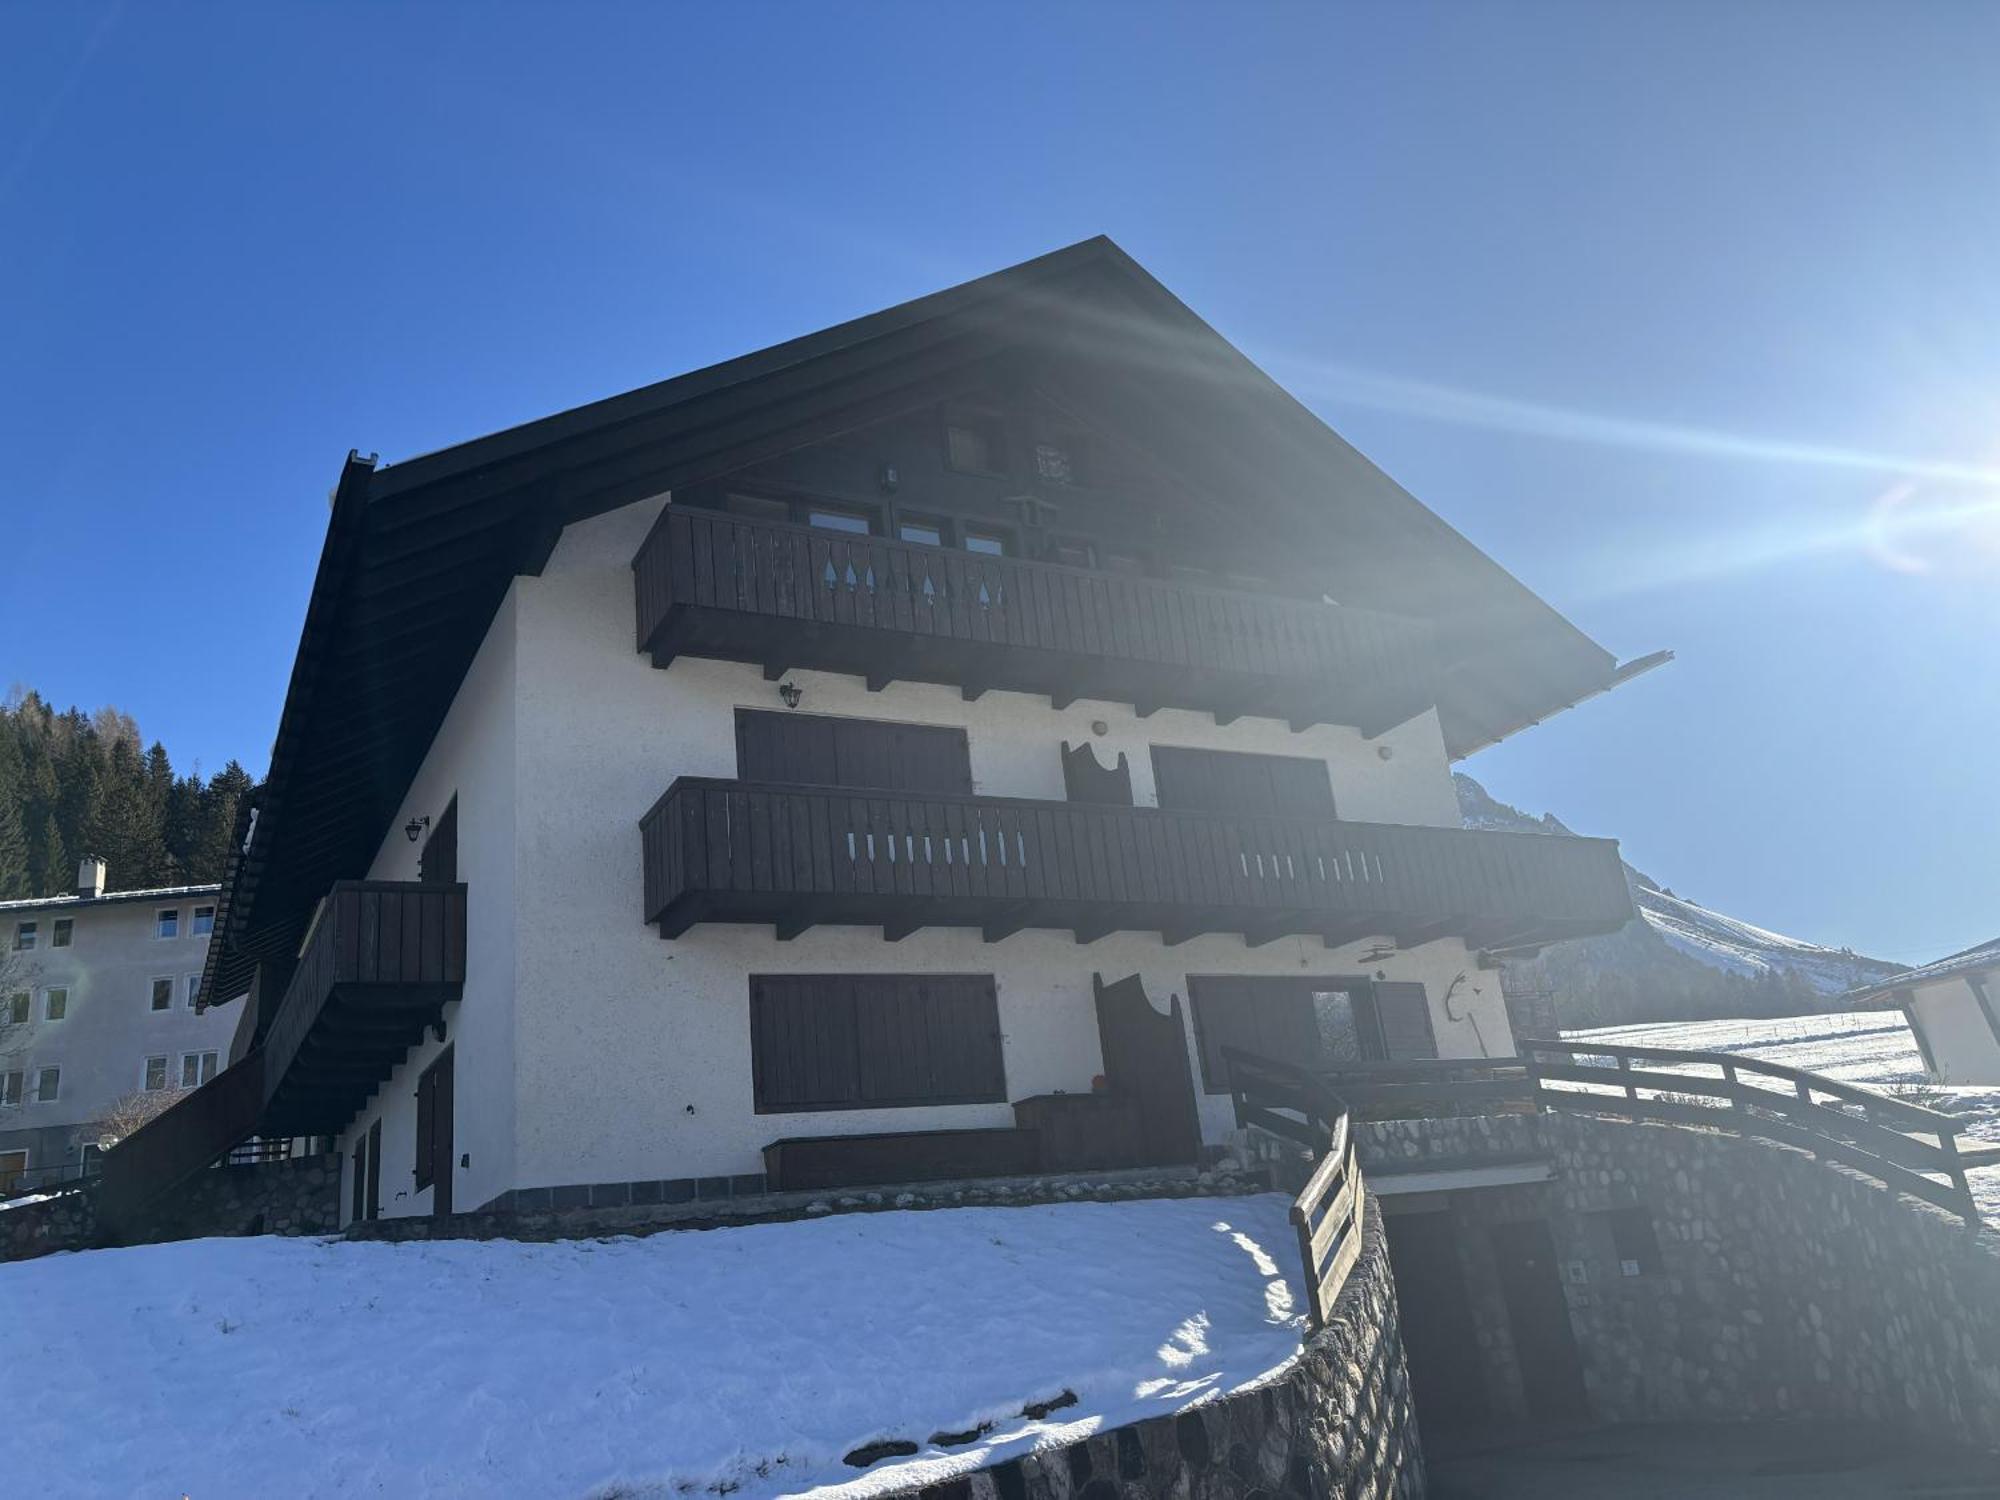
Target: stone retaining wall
[
  {"x": 1782, "y": 1287},
  {"x": 1338, "y": 1422},
  {"x": 300, "y": 1196}
]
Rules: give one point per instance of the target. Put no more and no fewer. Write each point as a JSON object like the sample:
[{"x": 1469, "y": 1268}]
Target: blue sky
[{"x": 1685, "y": 313}]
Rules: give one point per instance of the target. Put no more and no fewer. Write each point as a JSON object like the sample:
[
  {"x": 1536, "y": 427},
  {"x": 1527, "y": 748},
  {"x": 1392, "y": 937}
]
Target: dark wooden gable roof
[{"x": 419, "y": 555}]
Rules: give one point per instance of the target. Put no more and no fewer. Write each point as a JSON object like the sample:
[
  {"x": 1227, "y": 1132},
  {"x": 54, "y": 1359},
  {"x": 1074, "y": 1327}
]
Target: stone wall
[
  {"x": 1338, "y": 1422},
  {"x": 1781, "y": 1287},
  {"x": 300, "y": 1196}
]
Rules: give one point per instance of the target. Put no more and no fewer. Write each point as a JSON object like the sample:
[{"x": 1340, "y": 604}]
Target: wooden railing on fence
[
  {"x": 1879, "y": 1136},
  {"x": 721, "y": 850},
  {"x": 713, "y": 584},
  {"x": 1296, "y": 1105},
  {"x": 1433, "y": 1088},
  {"x": 187, "y": 1136}
]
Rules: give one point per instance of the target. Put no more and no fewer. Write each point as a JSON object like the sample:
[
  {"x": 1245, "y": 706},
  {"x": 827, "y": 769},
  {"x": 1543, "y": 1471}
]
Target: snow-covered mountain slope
[{"x": 1680, "y": 959}]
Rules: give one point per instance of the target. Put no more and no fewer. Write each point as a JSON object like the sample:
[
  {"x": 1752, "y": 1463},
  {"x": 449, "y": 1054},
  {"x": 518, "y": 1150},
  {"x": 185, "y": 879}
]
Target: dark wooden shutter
[
  {"x": 358, "y": 1201},
  {"x": 1235, "y": 782},
  {"x": 1270, "y": 1017},
  {"x": 821, "y": 751},
  {"x": 1405, "y": 1016},
  {"x": 438, "y": 863},
  {"x": 426, "y": 1125},
  {"x": 862, "y": 1041},
  {"x": 441, "y": 1132},
  {"x": 375, "y": 1170}
]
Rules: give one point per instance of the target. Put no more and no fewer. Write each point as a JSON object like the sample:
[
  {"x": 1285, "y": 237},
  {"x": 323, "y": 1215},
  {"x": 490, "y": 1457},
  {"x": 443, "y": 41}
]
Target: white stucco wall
[
  {"x": 1947, "y": 1014},
  {"x": 633, "y": 1053},
  {"x": 473, "y": 758}
]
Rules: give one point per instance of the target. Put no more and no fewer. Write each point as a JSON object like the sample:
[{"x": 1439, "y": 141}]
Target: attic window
[{"x": 974, "y": 443}]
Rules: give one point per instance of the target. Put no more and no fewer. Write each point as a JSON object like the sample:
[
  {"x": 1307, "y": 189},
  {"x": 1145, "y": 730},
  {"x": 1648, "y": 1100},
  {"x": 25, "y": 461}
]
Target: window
[
  {"x": 862, "y": 1041},
  {"x": 925, "y": 529},
  {"x": 59, "y": 937},
  {"x": 1229, "y": 781},
  {"x": 1312, "y": 1022},
  {"x": 155, "y": 1073},
  {"x": 823, "y": 750},
  {"x": 163, "y": 994},
  {"x": 24, "y": 936},
  {"x": 18, "y": 1010},
  {"x": 994, "y": 541},
  {"x": 55, "y": 1002},
  {"x": 167, "y": 923},
  {"x": 839, "y": 518},
  {"x": 193, "y": 989},
  {"x": 48, "y": 1085},
  {"x": 204, "y": 921},
  {"x": 196, "y": 1068},
  {"x": 10, "y": 1088},
  {"x": 975, "y": 443},
  {"x": 1633, "y": 1240}
]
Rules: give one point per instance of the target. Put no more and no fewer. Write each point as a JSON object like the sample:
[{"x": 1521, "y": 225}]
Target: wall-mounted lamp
[
  {"x": 791, "y": 692},
  {"x": 414, "y": 829}
]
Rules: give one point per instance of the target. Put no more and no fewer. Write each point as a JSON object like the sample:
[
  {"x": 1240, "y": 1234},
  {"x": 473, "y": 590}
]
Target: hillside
[{"x": 1679, "y": 960}]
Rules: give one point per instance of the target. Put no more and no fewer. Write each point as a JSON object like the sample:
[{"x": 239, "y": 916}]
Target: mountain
[{"x": 1678, "y": 960}]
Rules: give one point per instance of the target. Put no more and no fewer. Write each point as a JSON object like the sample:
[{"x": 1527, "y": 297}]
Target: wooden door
[
  {"x": 438, "y": 863},
  {"x": 1145, "y": 1060},
  {"x": 434, "y": 1133},
  {"x": 1440, "y": 1337},
  {"x": 1538, "y": 1315}
]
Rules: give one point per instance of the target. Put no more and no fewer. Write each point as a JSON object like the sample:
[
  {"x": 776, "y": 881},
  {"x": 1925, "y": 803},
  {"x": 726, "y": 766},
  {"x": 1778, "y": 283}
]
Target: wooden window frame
[
  {"x": 49, "y": 992},
  {"x": 153, "y": 994},
  {"x": 62, "y": 932},
  {"x": 26, "y": 935},
  {"x": 996, "y": 1094},
  {"x": 41, "y": 1073}
]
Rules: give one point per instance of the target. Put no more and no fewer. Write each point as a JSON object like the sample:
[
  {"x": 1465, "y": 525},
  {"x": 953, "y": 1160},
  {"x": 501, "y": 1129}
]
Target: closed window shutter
[
  {"x": 818, "y": 750},
  {"x": 1231, "y": 781},
  {"x": 375, "y": 1170},
  {"x": 426, "y": 1125},
  {"x": 856, "y": 1041},
  {"x": 1405, "y": 1014}
]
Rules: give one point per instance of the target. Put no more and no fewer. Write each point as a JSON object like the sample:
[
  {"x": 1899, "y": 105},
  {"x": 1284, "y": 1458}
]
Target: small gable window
[{"x": 974, "y": 443}]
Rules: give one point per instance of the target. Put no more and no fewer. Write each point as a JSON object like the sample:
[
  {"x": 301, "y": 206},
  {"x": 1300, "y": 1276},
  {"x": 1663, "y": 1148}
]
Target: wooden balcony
[
  {"x": 784, "y": 596},
  {"x": 798, "y": 856},
  {"x": 378, "y": 964}
]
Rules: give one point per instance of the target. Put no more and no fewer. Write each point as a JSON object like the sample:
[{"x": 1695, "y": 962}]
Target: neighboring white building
[
  {"x": 97, "y": 993},
  {"x": 1954, "y": 1008},
  {"x": 993, "y": 755}
]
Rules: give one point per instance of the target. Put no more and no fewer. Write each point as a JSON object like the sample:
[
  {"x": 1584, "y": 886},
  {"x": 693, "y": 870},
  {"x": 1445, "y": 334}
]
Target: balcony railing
[
  {"x": 783, "y": 596},
  {"x": 797, "y": 856},
  {"x": 379, "y": 962}
]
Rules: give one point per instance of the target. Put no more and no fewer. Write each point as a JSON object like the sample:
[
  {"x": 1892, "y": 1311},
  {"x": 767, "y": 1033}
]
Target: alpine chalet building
[{"x": 915, "y": 751}]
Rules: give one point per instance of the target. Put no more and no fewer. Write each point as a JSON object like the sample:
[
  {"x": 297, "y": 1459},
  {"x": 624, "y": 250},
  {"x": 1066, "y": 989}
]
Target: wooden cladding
[
  {"x": 874, "y": 1041},
  {"x": 798, "y": 856},
  {"x": 745, "y": 589},
  {"x": 379, "y": 962}
]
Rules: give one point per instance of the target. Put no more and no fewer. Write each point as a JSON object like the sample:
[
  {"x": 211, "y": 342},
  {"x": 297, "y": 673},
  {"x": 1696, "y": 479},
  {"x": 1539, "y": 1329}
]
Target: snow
[
  {"x": 743, "y": 1361},
  {"x": 1872, "y": 1047},
  {"x": 1738, "y": 947}
]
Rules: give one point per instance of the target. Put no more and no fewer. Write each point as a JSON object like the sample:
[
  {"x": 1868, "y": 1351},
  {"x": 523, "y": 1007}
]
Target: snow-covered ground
[
  {"x": 742, "y": 1361},
  {"x": 1873, "y": 1047},
  {"x": 1723, "y": 942}
]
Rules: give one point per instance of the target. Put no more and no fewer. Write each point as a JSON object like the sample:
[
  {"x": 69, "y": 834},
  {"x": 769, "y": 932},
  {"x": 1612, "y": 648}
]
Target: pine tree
[{"x": 13, "y": 835}]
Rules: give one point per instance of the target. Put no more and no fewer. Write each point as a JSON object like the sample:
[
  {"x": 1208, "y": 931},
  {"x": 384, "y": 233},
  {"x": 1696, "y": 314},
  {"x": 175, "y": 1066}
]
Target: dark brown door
[
  {"x": 372, "y": 1208},
  {"x": 438, "y": 864},
  {"x": 819, "y": 750},
  {"x": 1145, "y": 1060},
  {"x": 1538, "y": 1315},
  {"x": 434, "y": 1145},
  {"x": 1440, "y": 1339}
]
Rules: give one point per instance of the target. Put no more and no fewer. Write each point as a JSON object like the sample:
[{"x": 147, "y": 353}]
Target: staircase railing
[
  {"x": 187, "y": 1136},
  {"x": 1296, "y": 1105}
]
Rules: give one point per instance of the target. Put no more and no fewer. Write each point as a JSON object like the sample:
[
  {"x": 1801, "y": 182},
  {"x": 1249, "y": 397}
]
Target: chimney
[{"x": 90, "y": 878}]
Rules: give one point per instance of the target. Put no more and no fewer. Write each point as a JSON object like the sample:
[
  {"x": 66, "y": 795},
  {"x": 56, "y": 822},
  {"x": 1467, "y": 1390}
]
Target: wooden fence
[
  {"x": 1296, "y": 1105},
  {"x": 1903, "y": 1146}
]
